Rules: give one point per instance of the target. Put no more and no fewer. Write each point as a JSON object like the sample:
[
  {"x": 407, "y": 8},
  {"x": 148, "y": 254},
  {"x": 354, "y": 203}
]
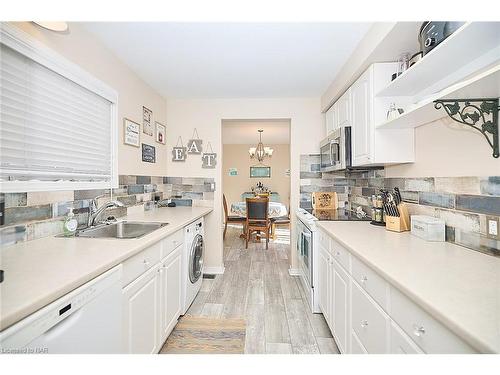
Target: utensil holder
[{"x": 399, "y": 223}]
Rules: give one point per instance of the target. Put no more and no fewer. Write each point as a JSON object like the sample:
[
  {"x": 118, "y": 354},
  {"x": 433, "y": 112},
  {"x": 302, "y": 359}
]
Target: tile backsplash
[
  {"x": 462, "y": 202},
  {"x": 33, "y": 215}
]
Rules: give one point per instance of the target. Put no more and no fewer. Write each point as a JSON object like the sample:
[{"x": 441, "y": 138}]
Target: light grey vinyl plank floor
[{"x": 257, "y": 287}]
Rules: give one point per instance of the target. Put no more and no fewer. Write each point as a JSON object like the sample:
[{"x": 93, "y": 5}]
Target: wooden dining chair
[
  {"x": 257, "y": 219},
  {"x": 279, "y": 220},
  {"x": 230, "y": 218}
]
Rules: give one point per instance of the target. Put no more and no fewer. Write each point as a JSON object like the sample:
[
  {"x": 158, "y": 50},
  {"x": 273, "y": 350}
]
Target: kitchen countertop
[
  {"x": 457, "y": 286},
  {"x": 38, "y": 272}
]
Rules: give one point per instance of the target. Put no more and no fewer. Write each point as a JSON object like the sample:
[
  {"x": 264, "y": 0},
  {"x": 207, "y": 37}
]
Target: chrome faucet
[{"x": 94, "y": 212}]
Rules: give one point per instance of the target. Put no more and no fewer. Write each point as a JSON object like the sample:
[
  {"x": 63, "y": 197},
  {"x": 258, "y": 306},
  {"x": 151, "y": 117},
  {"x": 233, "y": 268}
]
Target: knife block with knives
[
  {"x": 397, "y": 217},
  {"x": 399, "y": 223}
]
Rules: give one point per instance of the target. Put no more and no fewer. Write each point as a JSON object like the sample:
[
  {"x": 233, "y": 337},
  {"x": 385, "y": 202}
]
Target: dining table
[{"x": 276, "y": 209}]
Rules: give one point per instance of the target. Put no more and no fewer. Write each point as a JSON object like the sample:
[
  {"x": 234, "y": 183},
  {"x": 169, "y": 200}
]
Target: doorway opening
[{"x": 255, "y": 167}]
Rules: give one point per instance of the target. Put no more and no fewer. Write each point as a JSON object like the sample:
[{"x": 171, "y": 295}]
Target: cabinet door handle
[
  {"x": 418, "y": 331},
  {"x": 146, "y": 262},
  {"x": 364, "y": 323},
  {"x": 364, "y": 279},
  {"x": 337, "y": 253}
]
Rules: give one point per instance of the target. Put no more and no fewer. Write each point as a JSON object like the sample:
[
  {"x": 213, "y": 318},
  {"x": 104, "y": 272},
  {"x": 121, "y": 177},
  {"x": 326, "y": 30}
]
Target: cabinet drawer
[
  {"x": 430, "y": 335},
  {"x": 324, "y": 240},
  {"x": 140, "y": 263},
  {"x": 341, "y": 255},
  {"x": 369, "y": 322},
  {"x": 401, "y": 343},
  {"x": 172, "y": 242},
  {"x": 370, "y": 281}
]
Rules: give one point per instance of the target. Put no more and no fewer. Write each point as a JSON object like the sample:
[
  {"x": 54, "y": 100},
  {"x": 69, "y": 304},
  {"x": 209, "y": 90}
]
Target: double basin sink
[{"x": 121, "y": 229}]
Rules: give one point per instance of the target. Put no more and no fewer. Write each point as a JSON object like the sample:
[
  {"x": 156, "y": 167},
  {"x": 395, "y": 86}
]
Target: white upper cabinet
[
  {"x": 331, "y": 119},
  {"x": 371, "y": 146},
  {"x": 344, "y": 109},
  {"x": 361, "y": 120},
  {"x": 339, "y": 114}
]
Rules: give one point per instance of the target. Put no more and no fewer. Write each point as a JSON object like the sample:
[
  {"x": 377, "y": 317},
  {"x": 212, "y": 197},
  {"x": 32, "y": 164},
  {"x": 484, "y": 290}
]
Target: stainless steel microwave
[{"x": 335, "y": 150}]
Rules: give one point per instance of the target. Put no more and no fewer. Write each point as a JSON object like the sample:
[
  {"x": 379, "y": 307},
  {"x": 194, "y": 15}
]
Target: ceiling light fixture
[
  {"x": 260, "y": 152},
  {"x": 53, "y": 26}
]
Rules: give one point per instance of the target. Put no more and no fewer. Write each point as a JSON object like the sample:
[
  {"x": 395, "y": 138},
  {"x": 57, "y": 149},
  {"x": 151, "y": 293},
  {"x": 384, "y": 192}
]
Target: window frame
[{"x": 27, "y": 45}]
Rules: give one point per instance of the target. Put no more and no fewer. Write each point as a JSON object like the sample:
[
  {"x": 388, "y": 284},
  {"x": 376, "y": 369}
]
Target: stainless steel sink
[{"x": 122, "y": 229}]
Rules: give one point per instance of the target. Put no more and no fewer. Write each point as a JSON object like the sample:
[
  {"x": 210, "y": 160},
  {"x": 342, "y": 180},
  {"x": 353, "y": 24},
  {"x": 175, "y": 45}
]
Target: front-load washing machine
[{"x": 192, "y": 263}]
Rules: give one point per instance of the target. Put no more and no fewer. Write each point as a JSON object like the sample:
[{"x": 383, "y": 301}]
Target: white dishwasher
[{"x": 86, "y": 320}]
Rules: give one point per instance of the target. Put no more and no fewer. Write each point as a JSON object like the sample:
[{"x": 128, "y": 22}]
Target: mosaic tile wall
[
  {"x": 29, "y": 216},
  {"x": 463, "y": 202}
]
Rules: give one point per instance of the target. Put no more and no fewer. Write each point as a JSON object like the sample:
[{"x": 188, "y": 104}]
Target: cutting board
[{"x": 324, "y": 200}]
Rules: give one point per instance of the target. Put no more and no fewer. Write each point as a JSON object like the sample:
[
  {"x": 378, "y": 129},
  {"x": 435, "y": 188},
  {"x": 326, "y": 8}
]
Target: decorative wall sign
[
  {"x": 233, "y": 171},
  {"x": 179, "y": 152},
  {"x": 209, "y": 159},
  {"x": 131, "y": 132},
  {"x": 147, "y": 121},
  {"x": 194, "y": 146},
  {"x": 148, "y": 153},
  {"x": 160, "y": 133},
  {"x": 260, "y": 171}
]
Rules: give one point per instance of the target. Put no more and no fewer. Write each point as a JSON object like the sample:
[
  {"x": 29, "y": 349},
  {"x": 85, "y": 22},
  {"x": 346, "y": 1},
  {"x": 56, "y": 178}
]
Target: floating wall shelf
[
  {"x": 469, "y": 49},
  {"x": 483, "y": 85}
]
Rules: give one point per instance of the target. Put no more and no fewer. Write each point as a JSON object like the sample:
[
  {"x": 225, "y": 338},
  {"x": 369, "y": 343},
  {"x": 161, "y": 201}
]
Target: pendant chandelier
[{"x": 260, "y": 152}]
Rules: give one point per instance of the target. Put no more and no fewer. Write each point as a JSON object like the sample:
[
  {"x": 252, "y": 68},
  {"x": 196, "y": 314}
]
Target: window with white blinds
[{"x": 51, "y": 128}]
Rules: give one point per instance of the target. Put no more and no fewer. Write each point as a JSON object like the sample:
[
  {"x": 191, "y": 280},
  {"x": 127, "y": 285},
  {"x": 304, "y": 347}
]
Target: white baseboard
[
  {"x": 294, "y": 272},
  {"x": 214, "y": 270}
]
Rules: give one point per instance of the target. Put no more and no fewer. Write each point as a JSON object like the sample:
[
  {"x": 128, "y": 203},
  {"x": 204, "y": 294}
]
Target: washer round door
[{"x": 196, "y": 259}]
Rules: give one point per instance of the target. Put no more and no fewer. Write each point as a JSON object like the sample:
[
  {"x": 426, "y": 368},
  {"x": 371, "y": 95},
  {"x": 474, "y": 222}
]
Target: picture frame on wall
[
  {"x": 131, "y": 133},
  {"x": 148, "y": 153},
  {"x": 147, "y": 121},
  {"x": 260, "y": 171},
  {"x": 160, "y": 133}
]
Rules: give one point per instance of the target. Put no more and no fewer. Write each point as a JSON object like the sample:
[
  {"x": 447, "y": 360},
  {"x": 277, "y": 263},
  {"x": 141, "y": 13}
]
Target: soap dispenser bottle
[{"x": 70, "y": 224}]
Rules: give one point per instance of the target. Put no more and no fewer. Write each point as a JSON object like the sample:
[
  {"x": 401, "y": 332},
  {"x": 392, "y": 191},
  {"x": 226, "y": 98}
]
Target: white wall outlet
[{"x": 492, "y": 227}]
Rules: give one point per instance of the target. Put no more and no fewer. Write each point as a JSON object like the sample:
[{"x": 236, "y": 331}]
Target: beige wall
[
  {"x": 446, "y": 149},
  {"x": 236, "y": 156},
  {"x": 207, "y": 114},
  {"x": 80, "y": 47}
]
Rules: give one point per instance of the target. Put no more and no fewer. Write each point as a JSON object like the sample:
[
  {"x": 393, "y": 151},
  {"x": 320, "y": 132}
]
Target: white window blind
[{"x": 51, "y": 128}]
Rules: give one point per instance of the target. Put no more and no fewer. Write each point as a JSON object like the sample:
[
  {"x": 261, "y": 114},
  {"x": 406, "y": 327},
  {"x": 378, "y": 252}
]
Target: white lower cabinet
[
  {"x": 341, "y": 306},
  {"x": 369, "y": 322},
  {"x": 366, "y": 314},
  {"x": 141, "y": 313},
  {"x": 170, "y": 292},
  {"x": 152, "y": 301},
  {"x": 430, "y": 335},
  {"x": 325, "y": 285}
]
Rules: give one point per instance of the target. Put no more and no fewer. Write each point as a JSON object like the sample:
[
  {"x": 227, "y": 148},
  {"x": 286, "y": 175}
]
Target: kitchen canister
[{"x": 428, "y": 228}]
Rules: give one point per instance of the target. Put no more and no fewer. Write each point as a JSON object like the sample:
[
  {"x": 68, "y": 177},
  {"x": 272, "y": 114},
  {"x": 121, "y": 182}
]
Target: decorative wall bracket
[{"x": 479, "y": 114}]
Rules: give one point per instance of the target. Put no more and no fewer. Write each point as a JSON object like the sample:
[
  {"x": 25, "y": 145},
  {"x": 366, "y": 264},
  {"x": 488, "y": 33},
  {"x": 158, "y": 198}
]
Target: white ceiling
[
  {"x": 245, "y": 132},
  {"x": 225, "y": 60}
]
